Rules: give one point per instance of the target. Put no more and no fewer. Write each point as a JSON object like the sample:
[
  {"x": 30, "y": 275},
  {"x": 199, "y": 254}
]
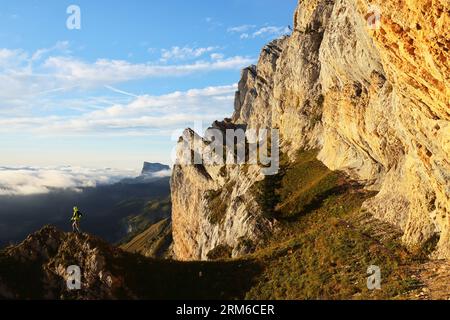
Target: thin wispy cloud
[
  {"x": 10, "y": 59},
  {"x": 184, "y": 53},
  {"x": 61, "y": 46},
  {"x": 213, "y": 23},
  {"x": 27, "y": 78},
  {"x": 252, "y": 31},
  {"x": 271, "y": 31},
  {"x": 142, "y": 114},
  {"x": 121, "y": 91},
  {"x": 241, "y": 29},
  {"x": 217, "y": 56},
  {"x": 106, "y": 71}
]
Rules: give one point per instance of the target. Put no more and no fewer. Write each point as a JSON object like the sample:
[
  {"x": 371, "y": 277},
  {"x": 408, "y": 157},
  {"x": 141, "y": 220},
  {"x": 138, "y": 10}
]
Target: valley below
[{"x": 113, "y": 211}]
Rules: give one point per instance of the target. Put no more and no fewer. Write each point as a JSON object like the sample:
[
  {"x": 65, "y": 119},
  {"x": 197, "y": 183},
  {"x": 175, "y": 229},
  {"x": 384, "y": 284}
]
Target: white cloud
[
  {"x": 142, "y": 114},
  {"x": 248, "y": 31},
  {"x": 103, "y": 71},
  {"x": 121, "y": 91},
  {"x": 184, "y": 53},
  {"x": 27, "y": 79},
  {"x": 41, "y": 180},
  {"x": 271, "y": 31},
  {"x": 217, "y": 56},
  {"x": 241, "y": 29},
  {"x": 32, "y": 180},
  {"x": 162, "y": 173},
  {"x": 10, "y": 59}
]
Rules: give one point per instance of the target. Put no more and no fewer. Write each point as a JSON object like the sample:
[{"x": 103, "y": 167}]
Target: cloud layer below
[{"x": 32, "y": 180}]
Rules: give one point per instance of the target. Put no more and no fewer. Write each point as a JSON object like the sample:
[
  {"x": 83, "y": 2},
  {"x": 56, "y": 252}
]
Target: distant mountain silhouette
[
  {"x": 150, "y": 172},
  {"x": 150, "y": 168}
]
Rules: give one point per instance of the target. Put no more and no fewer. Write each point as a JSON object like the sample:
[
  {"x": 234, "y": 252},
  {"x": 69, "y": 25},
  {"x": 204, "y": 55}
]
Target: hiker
[{"x": 76, "y": 220}]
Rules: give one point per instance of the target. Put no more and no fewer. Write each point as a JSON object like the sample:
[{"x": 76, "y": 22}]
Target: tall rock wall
[{"x": 375, "y": 101}]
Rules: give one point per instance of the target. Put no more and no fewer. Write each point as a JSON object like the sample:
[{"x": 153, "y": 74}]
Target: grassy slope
[
  {"x": 322, "y": 249},
  {"x": 153, "y": 242},
  {"x": 149, "y": 214},
  {"x": 325, "y": 243}
]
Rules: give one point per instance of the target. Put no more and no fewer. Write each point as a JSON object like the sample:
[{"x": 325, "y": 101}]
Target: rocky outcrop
[
  {"x": 212, "y": 206},
  {"x": 38, "y": 269},
  {"x": 41, "y": 261},
  {"x": 372, "y": 95}
]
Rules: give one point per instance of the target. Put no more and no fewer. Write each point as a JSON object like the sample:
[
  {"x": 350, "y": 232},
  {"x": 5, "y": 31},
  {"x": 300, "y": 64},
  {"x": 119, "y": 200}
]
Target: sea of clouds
[{"x": 34, "y": 180}]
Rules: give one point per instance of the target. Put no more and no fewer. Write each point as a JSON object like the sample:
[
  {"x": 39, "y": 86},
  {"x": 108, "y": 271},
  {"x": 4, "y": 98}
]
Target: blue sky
[{"x": 118, "y": 91}]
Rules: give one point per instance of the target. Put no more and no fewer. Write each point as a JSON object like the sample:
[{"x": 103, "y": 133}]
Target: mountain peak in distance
[{"x": 150, "y": 168}]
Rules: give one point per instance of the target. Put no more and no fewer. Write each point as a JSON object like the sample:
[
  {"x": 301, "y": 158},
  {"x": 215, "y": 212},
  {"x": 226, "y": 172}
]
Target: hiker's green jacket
[{"x": 76, "y": 215}]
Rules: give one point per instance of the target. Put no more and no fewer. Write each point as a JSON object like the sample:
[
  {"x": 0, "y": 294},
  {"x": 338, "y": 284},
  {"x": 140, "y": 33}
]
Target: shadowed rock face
[{"x": 375, "y": 102}]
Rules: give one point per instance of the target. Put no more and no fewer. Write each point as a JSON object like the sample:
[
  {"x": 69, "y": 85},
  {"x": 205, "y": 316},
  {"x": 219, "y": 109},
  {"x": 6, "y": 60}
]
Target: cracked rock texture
[{"x": 374, "y": 101}]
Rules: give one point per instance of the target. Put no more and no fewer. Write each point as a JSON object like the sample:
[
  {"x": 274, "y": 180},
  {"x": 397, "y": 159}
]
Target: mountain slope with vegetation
[
  {"x": 154, "y": 242},
  {"x": 320, "y": 249}
]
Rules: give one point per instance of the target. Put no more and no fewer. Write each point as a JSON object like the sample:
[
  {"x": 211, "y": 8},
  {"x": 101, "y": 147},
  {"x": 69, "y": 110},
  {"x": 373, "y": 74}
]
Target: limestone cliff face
[
  {"x": 375, "y": 101},
  {"x": 213, "y": 208},
  {"x": 386, "y": 118}
]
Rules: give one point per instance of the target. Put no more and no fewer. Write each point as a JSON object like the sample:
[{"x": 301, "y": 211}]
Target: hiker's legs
[{"x": 76, "y": 227}]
